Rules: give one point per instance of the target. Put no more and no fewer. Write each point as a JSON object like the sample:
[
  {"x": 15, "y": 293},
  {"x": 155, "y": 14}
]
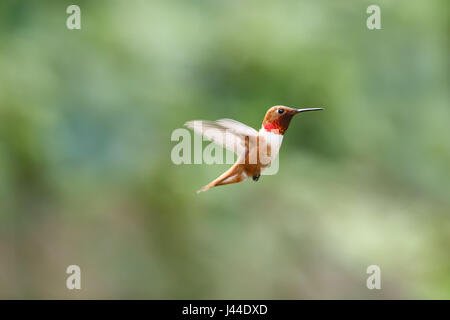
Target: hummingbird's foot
[{"x": 256, "y": 177}]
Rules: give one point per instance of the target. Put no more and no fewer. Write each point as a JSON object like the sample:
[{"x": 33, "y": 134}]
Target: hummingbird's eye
[{"x": 280, "y": 111}]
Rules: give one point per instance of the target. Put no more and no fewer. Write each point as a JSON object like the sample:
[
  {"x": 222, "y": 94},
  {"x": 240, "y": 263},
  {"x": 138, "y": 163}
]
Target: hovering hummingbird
[{"x": 255, "y": 149}]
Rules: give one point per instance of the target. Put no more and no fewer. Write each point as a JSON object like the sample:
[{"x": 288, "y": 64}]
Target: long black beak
[{"x": 308, "y": 109}]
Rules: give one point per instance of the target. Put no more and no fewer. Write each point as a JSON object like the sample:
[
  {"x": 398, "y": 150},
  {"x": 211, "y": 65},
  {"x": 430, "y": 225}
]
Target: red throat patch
[{"x": 274, "y": 125}]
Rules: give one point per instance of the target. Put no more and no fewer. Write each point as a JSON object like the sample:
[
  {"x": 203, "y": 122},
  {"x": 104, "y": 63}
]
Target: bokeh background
[{"x": 86, "y": 177}]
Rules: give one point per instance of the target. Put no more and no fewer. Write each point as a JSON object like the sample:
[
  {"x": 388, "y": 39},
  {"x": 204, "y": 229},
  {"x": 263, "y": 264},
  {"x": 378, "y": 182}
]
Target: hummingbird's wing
[
  {"x": 227, "y": 133},
  {"x": 238, "y": 127}
]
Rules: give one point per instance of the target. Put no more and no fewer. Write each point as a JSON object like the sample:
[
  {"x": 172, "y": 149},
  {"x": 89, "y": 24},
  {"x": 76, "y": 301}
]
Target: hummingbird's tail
[
  {"x": 232, "y": 175},
  {"x": 213, "y": 183},
  {"x": 205, "y": 188}
]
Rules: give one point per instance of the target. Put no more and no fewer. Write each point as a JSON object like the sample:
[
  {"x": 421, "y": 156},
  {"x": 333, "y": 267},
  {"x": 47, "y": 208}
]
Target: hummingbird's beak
[{"x": 308, "y": 109}]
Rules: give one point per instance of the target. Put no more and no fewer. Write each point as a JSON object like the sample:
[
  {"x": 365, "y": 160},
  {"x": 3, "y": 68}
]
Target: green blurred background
[{"x": 86, "y": 176}]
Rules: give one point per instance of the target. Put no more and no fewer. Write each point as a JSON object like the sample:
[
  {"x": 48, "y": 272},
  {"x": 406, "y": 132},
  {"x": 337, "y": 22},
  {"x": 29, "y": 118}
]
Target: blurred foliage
[{"x": 86, "y": 178}]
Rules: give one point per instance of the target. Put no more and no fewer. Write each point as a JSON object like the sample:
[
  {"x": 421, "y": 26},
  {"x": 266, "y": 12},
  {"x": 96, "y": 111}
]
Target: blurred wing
[
  {"x": 238, "y": 127},
  {"x": 227, "y": 133}
]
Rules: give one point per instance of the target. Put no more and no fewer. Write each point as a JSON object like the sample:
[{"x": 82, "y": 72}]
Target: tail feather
[
  {"x": 205, "y": 188},
  {"x": 232, "y": 175}
]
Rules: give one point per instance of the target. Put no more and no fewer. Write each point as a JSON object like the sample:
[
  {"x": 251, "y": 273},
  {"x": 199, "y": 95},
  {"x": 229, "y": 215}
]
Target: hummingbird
[{"x": 255, "y": 149}]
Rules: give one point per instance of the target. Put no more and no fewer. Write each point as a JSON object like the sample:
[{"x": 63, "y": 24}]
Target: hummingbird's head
[{"x": 277, "y": 118}]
